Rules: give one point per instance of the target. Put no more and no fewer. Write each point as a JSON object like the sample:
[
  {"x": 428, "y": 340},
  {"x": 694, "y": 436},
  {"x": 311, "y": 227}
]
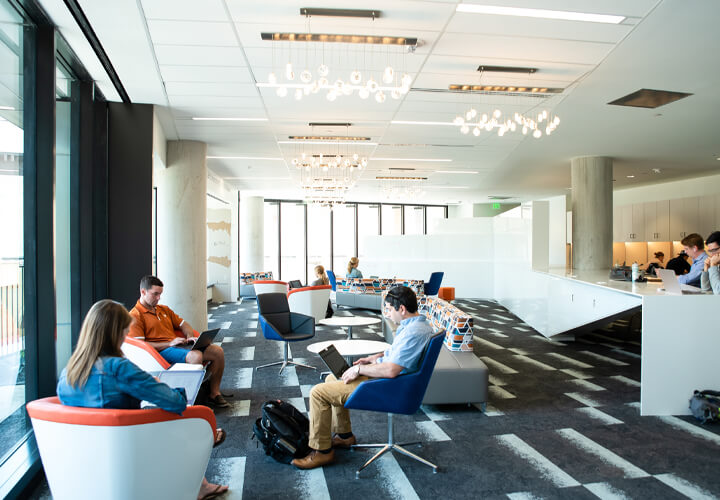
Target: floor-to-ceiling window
[
  {"x": 414, "y": 219},
  {"x": 318, "y": 237},
  {"x": 432, "y": 216},
  {"x": 343, "y": 237},
  {"x": 368, "y": 225},
  {"x": 391, "y": 220},
  {"x": 13, "y": 423},
  {"x": 292, "y": 238},
  {"x": 272, "y": 241}
]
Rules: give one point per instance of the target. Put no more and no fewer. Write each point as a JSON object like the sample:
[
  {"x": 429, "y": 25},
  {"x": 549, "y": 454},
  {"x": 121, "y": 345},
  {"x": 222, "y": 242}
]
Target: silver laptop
[
  {"x": 190, "y": 380},
  {"x": 671, "y": 284}
]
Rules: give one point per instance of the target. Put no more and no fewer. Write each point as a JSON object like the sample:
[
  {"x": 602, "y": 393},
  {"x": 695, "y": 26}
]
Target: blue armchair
[
  {"x": 432, "y": 287},
  {"x": 278, "y": 323},
  {"x": 333, "y": 281},
  {"x": 402, "y": 395}
]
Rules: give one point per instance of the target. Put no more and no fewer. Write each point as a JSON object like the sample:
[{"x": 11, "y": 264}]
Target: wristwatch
[{"x": 358, "y": 371}]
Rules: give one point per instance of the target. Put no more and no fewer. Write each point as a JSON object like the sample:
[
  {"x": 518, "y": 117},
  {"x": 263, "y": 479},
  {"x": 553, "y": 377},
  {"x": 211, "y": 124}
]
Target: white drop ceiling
[{"x": 203, "y": 59}]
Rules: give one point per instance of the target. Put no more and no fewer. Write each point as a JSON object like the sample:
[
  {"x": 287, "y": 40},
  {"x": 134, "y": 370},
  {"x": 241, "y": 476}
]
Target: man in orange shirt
[{"x": 158, "y": 324}]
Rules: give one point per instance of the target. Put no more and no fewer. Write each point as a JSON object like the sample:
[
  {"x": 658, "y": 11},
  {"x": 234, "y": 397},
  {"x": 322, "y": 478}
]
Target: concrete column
[
  {"x": 182, "y": 231},
  {"x": 592, "y": 211},
  {"x": 252, "y": 236}
]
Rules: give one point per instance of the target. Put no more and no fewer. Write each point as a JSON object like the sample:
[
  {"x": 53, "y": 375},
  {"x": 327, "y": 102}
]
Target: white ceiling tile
[
  {"x": 216, "y": 101},
  {"x": 185, "y": 10},
  {"x": 205, "y": 74},
  {"x": 179, "y": 55},
  {"x": 636, "y": 8},
  {"x": 229, "y": 89},
  {"x": 192, "y": 33}
]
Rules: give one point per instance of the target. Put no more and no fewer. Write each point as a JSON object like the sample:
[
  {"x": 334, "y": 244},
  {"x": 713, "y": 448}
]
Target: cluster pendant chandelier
[{"x": 526, "y": 124}]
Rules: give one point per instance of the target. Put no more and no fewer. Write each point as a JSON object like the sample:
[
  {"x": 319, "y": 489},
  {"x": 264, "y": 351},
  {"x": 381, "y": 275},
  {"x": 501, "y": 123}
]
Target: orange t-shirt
[{"x": 158, "y": 326}]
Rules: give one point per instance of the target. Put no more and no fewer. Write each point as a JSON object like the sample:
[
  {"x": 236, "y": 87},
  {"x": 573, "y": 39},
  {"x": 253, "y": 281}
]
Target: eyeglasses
[{"x": 713, "y": 250}]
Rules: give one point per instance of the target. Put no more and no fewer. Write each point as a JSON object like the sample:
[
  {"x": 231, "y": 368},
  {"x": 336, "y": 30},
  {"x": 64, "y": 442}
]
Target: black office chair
[{"x": 278, "y": 323}]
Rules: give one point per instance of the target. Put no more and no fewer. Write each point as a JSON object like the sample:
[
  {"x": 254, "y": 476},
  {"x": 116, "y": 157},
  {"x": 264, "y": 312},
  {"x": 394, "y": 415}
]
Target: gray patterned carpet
[{"x": 562, "y": 422}]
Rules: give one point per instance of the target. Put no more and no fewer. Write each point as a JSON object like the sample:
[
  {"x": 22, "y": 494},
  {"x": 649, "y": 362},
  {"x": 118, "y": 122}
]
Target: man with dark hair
[
  {"x": 327, "y": 411},
  {"x": 679, "y": 263},
  {"x": 710, "y": 277},
  {"x": 157, "y": 324},
  {"x": 695, "y": 248}
]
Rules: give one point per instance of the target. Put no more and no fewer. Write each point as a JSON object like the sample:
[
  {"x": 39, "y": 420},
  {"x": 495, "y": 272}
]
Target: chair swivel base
[{"x": 284, "y": 363}]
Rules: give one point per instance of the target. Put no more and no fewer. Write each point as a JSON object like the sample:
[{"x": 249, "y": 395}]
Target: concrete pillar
[
  {"x": 182, "y": 231},
  {"x": 592, "y": 211},
  {"x": 252, "y": 236}
]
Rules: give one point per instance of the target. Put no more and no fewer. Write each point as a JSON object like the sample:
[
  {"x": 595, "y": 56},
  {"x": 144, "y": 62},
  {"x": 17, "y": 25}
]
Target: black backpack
[
  {"x": 283, "y": 431},
  {"x": 705, "y": 406}
]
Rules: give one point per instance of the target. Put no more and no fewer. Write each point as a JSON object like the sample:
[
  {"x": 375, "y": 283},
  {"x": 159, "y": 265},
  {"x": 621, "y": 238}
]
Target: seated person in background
[
  {"x": 327, "y": 411},
  {"x": 695, "y": 248},
  {"x": 710, "y": 277},
  {"x": 98, "y": 376},
  {"x": 679, "y": 264},
  {"x": 656, "y": 265},
  {"x": 353, "y": 271},
  {"x": 158, "y": 323},
  {"x": 321, "y": 280}
]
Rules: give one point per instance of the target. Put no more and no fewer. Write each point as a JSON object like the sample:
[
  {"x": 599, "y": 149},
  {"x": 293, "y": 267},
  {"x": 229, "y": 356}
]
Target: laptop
[
  {"x": 334, "y": 361},
  {"x": 672, "y": 286},
  {"x": 205, "y": 339},
  {"x": 190, "y": 380},
  {"x": 295, "y": 284}
]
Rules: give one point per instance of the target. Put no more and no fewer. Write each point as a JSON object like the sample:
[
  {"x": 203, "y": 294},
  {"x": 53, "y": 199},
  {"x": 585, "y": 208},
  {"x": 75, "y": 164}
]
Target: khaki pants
[{"x": 327, "y": 413}]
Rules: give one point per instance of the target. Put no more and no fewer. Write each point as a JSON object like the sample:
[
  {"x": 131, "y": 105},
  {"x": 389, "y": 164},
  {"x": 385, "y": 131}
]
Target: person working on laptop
[
  {"x": 321, "y": 280},
  {"x": 327, "y": 399},
  {"x": 157, "y": 324},
  {"x": 710, "y": 277},
  {"x": 695, "y": 248},
  {"x": 98, "y": 376},
  {"x": 679, "y": 264}
]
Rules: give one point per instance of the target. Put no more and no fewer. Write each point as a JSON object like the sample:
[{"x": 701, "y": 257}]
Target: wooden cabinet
[
  {"x": 667, "y": 220},
  {"x": 632, "y": 222},
  {"x": 706, "y": 215},
  {"x": 683, "y": 217},
  {"x": 657, "y": 220}
]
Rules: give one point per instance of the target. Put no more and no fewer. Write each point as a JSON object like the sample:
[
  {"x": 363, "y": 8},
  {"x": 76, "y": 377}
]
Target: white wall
[
  {"x": 699, "y": 186},
  {"x": 222, "y": 240},
  {"x": 557, "y": 231}
]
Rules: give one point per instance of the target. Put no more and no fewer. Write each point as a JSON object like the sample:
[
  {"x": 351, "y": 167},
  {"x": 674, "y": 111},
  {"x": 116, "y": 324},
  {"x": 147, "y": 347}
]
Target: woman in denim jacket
[{"x": 98, "y": 376}]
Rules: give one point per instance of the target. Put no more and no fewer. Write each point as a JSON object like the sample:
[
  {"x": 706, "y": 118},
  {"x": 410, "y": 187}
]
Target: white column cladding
[
  {"x": 182, "y": 231},
  {"x": 252, "y": 236},
  {"x": 592, "y": 209}
]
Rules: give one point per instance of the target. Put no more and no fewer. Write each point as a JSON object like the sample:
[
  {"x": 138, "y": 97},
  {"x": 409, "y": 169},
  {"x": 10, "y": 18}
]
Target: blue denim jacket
[
  {"x": 118, "y": 383},
  {"x": 354, "y": 273}
]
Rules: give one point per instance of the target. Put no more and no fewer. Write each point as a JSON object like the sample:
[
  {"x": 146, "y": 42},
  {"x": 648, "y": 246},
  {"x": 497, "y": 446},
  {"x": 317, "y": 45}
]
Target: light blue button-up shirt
[
  {"x": 409, "y": 344},
  {"x": 693, "y": 277}
]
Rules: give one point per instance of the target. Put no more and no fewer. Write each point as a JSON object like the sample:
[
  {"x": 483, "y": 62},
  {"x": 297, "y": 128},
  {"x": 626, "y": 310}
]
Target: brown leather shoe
[
  {"x": 338, "y": 442},
  {"x": 314, "y": 459}
]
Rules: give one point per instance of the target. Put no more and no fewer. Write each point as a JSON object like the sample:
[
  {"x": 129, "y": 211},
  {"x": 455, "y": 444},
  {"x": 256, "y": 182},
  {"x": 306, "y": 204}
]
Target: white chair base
[
  {"x": 389, "y": 446},
  {"x": 285, "y": 362}
]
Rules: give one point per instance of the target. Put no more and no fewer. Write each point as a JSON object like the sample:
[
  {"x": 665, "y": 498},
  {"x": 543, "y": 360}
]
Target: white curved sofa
[{"x": 310, "y": 300}]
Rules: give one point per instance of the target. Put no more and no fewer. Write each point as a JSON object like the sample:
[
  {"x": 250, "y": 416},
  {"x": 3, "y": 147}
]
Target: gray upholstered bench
[{"x": 458, "y": 377}]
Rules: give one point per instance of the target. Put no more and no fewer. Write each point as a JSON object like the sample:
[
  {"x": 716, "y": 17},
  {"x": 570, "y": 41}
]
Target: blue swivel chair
[
  {"x": 432, "y": 287},
  {"x": 278, "y": 323},
  {"x": 333, "y": 281},
  {"x": 402, "y": 394}
]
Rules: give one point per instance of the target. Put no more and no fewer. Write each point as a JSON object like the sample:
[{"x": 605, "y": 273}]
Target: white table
[
  {"x": 351, "y": 347},
  {"x": 350, "y": 321}
]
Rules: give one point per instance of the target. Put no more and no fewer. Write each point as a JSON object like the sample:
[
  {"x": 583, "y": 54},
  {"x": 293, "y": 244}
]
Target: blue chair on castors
[
  {"x": 402, "y": 395},
  {"x": 333, "y": 281},
  {"x": 278, "y": 323},
  {"x": 432, "y": 287}
]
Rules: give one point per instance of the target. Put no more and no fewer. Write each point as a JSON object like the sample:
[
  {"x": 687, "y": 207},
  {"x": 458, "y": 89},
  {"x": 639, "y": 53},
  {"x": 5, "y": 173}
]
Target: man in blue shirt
[
  {"x": 694, "y": 246},
  {"x": 327, "y": 411}
]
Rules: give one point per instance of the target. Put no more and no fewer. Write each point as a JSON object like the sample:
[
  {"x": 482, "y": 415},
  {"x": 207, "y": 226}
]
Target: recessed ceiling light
[
  {"x": 656, "y": 170},
  {"x": 243, "y": 158},
  {"x": 630, "y": 176},
  {"x": 649, "y": 98},
  {"x": 457, "y": 172},
  {"x": 412, "y": 159},
  {"x": 404, "y": 122},
  {"x": 337, "y": 38},
  {"x": 391, "y": 178},
  {"x": 448, "y": 187},
  {"x": 7, "y": 108},
  {"x": 540, "y": 13},
  {"x": 220, "y": 119}
]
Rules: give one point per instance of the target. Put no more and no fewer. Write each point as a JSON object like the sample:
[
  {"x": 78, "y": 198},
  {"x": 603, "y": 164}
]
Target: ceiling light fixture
[
  {"x": 355, "y": 143},
  {"x": 219, "y": 119},
  {"x": 256, "y": 178},
  {"x": 328, "y": 137},
  {"x": 413, "y": 159},
  {"x": 504, "y": 89},
  {"x": 630, "y": 176},
  {"x": 243, "y": 158},
  {"x": 7, "y": 108},
  {"x": 540, "y": 13}
]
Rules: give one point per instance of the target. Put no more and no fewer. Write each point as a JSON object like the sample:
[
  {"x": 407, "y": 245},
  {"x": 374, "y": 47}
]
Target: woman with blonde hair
[
  {"x": 99, "y": 376},
  {"x": 321, "y": 277},
  {"x": 352, "y": 270}
]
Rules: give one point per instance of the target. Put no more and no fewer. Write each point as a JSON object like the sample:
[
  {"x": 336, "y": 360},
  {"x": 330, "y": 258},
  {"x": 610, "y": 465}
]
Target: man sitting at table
[
  {"x": 327, "y": 400},
  {"x": 695, "y": 248},
  {"x": 157, "y": 324}
]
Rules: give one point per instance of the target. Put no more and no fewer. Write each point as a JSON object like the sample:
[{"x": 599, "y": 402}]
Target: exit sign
[{"x": 496, "y": 206}]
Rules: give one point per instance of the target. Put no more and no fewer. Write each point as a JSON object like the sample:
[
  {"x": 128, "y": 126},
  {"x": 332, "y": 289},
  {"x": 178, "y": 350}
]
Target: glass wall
[
  {"x": 63, "y": 292},
  {"x": 414, "y": 219},
  {"x": 292, "y": 237},
  {"x": 13, "y": 422},
  {"x": 391, "y": 220},
  {"x": 343, "y": 237},
  {"x": 368, "y": 224},
  {"x": 318, "y": 233},
  {"x": 432, "y": 215},
  {"x": 272, "y": 241}
]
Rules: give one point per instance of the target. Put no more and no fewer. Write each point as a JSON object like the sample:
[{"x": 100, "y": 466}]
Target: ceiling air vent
[
  {"x": 649, "y": 98},
  {"x": 499, "y": 197}
]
